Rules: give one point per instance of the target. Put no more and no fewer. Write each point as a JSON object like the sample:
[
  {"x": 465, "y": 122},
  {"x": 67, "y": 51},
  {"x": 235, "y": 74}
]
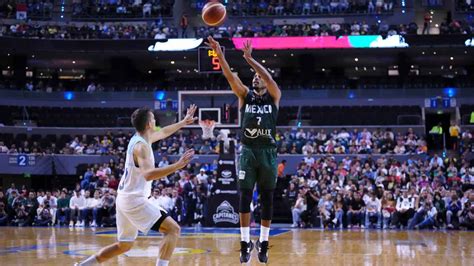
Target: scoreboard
[{"x": 208, "y": 62}]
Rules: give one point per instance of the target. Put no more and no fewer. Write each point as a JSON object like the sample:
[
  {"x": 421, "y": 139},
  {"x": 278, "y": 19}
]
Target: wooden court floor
[{"x": 208, "y": 246}]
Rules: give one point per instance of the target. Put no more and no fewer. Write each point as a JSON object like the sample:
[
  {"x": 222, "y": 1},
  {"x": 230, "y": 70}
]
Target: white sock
[
  {"x": 264, "y": 232},
  {"x": 92, "y": 260},
  {"x": 245, "y": 234},
  {"x": 160, "y": 262}
]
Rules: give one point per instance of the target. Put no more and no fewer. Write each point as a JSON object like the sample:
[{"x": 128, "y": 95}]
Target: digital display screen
[
  {"x": 322, "y": 42},
  {"x": 208, "y": 62}
]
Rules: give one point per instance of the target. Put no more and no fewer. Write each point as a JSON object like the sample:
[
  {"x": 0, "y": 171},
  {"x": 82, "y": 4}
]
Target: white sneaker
[
  {"x": 294, "y": 225},
  {"x": 71, "y": 224},
  {"x": 77, "y": 224},
  {"x": 362, "y": 227},
  {"x": 93, "y": 224}
]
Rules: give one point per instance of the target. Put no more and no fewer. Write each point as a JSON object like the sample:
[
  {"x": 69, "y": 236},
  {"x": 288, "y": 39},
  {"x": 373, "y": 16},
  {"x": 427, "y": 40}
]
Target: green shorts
[{"x": 258, "y": 165}]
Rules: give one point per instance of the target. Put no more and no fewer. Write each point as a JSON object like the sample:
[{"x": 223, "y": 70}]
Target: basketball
[{"x": 213, "y": 13}]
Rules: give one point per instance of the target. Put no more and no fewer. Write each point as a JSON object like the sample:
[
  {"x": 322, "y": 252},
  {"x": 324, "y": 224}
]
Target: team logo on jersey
[
  {"x": 258, "y": 109},
  {"x": 253, "y": 133},
  {"x": 225, "y": 214}
]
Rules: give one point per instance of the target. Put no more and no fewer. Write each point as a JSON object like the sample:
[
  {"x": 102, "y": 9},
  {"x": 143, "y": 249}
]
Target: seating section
[
  {"x": 91, "y": 117},
  {"x": 119, "y": 117},
  {"x": 303, "y": 8},
  {"x": 82, "y": 9},
  {"x": 36, "y": 9},
  {"x": 360, "y": 115},
  {"x": 67, "y": 117}
]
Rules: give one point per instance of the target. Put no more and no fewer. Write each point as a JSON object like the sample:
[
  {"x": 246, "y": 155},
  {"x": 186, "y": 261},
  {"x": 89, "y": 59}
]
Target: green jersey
[{"x": 259, "y": 117}]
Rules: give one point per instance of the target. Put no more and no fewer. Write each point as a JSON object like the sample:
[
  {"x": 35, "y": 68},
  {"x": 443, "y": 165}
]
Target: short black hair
[{"x": 140, "y": 118}]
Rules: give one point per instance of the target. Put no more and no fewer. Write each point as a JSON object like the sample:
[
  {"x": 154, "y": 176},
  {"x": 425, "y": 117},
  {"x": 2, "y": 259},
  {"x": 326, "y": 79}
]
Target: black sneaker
[
  {"x": 262, "y": 248},
  {"x": 245, "y": 251}
]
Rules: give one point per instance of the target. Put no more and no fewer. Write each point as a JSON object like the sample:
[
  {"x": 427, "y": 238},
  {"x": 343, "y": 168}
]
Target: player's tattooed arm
[
  {"x": 171, "y": 129},
  {"x": 235, "y": 83}
]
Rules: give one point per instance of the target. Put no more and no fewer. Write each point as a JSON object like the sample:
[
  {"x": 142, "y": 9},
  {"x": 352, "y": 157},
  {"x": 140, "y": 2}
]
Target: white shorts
[{"x": 136, "y": 214}]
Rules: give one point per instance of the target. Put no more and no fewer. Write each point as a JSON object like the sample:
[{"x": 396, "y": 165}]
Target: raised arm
[
  {"x": 235, "y": 83},
  {"x": 142, "y": 154},
  {"x": 272, "y": 87},
  {"x": 171, "y": 129}
]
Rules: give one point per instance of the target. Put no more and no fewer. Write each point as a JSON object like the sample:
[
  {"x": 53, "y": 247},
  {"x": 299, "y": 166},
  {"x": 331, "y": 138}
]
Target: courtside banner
[{"x": 322, "y": 42}]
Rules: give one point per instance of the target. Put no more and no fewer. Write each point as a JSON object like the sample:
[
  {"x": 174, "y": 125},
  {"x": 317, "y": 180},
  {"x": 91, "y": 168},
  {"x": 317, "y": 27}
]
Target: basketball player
[
  {"x": 259, "y": 107},
  {"x": 134, "y": 211}
]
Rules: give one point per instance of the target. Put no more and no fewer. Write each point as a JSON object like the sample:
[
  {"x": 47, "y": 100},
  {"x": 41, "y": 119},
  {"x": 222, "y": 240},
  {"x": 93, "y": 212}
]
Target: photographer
[
  {"x": 312, "y": 198},
  {"x": 44, "y": 217}
]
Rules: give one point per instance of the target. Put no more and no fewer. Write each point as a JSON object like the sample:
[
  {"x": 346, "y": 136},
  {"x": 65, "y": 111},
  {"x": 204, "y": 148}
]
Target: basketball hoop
[{"x": 207, "y": 128}]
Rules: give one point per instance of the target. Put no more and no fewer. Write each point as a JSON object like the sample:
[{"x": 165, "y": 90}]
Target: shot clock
[{"x": 208, "y": 62}]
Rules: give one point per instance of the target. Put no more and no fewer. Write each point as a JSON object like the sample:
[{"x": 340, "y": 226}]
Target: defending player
[
  {"x": 134, "y": 212},
  {"x": 259, "y": 108}
]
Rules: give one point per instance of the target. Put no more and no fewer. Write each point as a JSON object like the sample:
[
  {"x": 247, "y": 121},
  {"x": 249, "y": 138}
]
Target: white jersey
[{"x": 133, "y": 183}]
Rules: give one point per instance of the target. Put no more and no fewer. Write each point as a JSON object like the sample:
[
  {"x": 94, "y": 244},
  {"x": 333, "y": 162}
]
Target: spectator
[
  {"x": 52, "y": 202},
  {"x": 298, "y": 209},
  {"x": 426, "y": 23},
  {"x": 355, "y": 214},
  {"x": 281, "y": 169},
  {"x": 91, "y": 208},
  {"x": 63, "y": 212},
  {"x": 190, "y": 200},
  {"x": 107, "y": 209},
  {"x": 76, "y": 204},
  {"x": 202, "y": 176},
  {"x": 454, "y": 134},
  {"x": 453, "y": 211},
  {"x": 184, "y": 25},
  {"x": 44, "y": 217},
  {"x": 373, "y": 211},
  {"x": 388, "y": 209},
  {"x": 404, "y": 210},
  {"x": 340, "y": 208},
  {"x": 430, "y": 216}
]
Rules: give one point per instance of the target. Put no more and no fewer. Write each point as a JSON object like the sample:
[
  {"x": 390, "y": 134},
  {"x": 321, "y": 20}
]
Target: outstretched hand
[
  {"x": 189, "y": 118},
  {"x": 185, "y": 158},
  {"x": 247, "y": 49},
  {"x": 214, "y": 45}
]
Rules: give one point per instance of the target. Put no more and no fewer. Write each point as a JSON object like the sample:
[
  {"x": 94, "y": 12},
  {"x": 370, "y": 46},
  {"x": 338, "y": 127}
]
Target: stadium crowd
[
  {"x": 87, "y": 31},
  {"x": 306, "y": 142},
  {"x": 383, "y": 193},
  {"x": 305, "y": 7},
  {"x": 92, "y": 9},
  {"x": 38, "y": 9},
  {"x": 352, "y": 193},
  {"x": 158, "y": 30},
  {"x": 122, "y": 9}
]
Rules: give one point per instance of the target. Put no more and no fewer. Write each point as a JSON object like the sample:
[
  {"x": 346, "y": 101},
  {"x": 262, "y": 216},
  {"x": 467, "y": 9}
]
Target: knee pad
[
  {"x": 266, "y": 198},
  {"x": 245, "y": 200}
]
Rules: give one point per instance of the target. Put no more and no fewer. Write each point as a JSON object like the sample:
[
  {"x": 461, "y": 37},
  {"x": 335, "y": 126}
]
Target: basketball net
[{"x": 207, "y": 128}]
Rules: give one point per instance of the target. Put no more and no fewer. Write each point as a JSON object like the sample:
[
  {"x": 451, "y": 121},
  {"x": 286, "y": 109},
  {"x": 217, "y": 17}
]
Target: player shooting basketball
[
  {"x": 134, "y": 211},
  {"x": 259, "y": 107}
]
